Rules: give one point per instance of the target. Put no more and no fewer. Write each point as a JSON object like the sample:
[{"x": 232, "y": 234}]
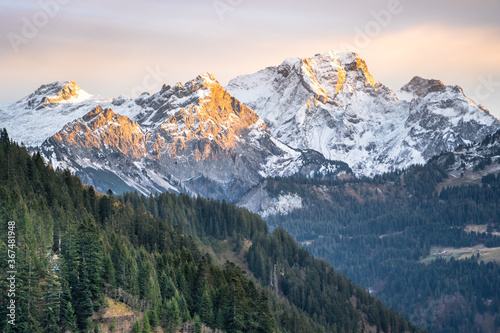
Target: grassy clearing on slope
[
  {"x": 116, "y": 314},
  {"x": 485, "y": 254}
]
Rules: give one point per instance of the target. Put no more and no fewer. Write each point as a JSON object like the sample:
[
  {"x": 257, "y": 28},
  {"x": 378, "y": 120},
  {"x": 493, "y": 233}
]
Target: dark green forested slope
[
  {"x": 380, "y": 232},
  {"x": 76, "y": 248}
]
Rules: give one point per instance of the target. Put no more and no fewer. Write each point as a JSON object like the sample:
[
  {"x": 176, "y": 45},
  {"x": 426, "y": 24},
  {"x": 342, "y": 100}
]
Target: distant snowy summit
[
  {"x": 305, "y": 117},
  {"x": 43, "y": 113},
  {"x": 332, "y": 104}
]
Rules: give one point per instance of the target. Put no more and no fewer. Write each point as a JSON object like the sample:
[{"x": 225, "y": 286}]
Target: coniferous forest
[
  {"x": 78, "y": 253},
  {"x": 393, "y": 234}
]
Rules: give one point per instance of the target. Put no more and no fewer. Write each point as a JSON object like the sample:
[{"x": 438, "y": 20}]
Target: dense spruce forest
[
  {"x": 78, "y": 253},
  {"x": 393, "y": 234}
]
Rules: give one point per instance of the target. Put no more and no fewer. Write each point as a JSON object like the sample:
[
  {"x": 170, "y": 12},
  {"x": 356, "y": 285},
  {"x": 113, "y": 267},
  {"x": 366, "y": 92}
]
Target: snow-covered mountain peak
[
  {"x": 341, "y": 58},
  {"x": 334, "y": 70},
  {"x": 277, "y": 122},
  {"x": 53, "y": 93},
  {"x": 332, "y": 104},
  {"x": 97, "y": 112},
  {"x": 421, "y": 87},
  {"x": 41, "y": 114},
  {"x": 102, "y": 129},
  {"x": 330, "y": 77},
  {"x": 207, "y": 78},
  {"x": 201, "y": 82},
  {"x": 67, "y": 91},
  {"x": 161, "y": 106}
]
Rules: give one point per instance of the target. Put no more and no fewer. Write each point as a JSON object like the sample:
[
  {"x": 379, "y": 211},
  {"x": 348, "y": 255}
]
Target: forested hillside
[
  {"x": 78, "y": 253},
  {"x": 429, "y": 251}
]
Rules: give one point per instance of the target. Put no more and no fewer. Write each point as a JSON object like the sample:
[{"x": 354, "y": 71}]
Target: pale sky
[{"x": 121, "y": 47}]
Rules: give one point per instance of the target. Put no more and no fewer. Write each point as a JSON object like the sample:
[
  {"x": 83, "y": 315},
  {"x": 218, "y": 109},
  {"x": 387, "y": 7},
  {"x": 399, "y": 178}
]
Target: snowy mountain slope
[
  {"x": 260, "y": 201},
  {"x": 477, "y": 163},
  {"x": 468, "y": 164},
  {"x": 41, "y": 114},
  {"x": 193, "y": 137},
  {"x": 331, "y": 103}
]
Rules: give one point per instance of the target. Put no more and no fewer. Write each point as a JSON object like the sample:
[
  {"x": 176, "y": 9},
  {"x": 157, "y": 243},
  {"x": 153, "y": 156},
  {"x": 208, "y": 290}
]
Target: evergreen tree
[
  {"x": 197, "y": 324},
  {"x": 153, "y": 319},
  {"x": 83, "y": 299},
  {"x": 146, "y": 326},
  {"x": 52, "y": 299},
  {"x": 206, "y": 309},
  {"x": 112, "y": 326},
  {"x": 137, "y": 327},
  {"x": 173, "y": 312},
  {"x": 4, "y": 136},
  {"x": 69, "y": 321},
  {"x": 219, "y": 319}
]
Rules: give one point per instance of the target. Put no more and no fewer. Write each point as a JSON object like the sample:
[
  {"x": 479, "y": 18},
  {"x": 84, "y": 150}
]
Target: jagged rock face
[
  {"x": 479, "y": 159},
  {"x": 218, "y": 121},
  {"x": 331, "y": 103},
  {"x": 194, "y": 137},
  {"x": 442, "y": 118},
  {"x": 103, "y": 129},
  {"x": 420, "y": 87},
  {"x": 69, "y": 91}
]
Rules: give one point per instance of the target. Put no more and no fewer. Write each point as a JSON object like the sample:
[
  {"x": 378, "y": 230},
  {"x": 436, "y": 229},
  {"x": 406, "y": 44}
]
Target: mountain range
[
  {"x": 319, "y": 117},
  {"x": 367, "y": 178},
  {"x": 332, "y": 104},
  {"x": 192, "y": 137}
]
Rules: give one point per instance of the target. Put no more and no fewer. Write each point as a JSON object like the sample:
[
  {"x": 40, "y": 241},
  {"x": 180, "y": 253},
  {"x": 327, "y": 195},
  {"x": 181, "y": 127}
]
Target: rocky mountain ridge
[
  {"x": 332, "y": 104},
  {"x": 192, "y": 137},
  {"x": 296, "y": 119}
]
